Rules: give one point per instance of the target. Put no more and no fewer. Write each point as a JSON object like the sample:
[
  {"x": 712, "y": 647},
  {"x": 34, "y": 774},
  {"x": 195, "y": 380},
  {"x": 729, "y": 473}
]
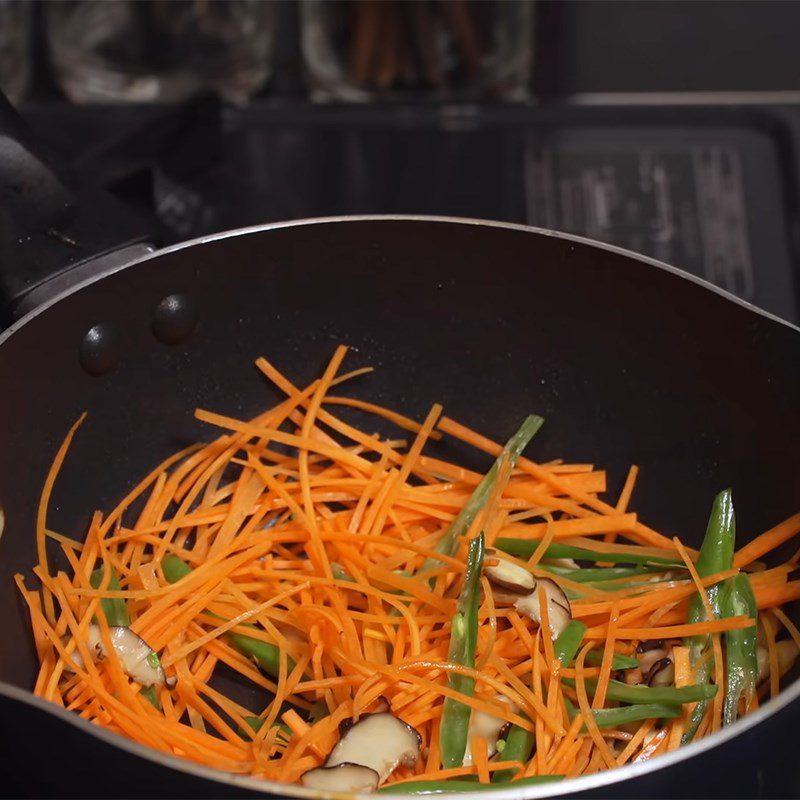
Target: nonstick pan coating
[{"x": 629, "y": 361}]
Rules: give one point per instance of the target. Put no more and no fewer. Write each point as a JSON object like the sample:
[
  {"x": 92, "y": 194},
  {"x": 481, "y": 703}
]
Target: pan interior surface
[{"x": 628, "y": 363}]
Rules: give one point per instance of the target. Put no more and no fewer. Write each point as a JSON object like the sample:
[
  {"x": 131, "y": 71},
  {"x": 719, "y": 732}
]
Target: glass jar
[
  {"x": 160, "y": 51},
  {"x": 442, "y": 49}
]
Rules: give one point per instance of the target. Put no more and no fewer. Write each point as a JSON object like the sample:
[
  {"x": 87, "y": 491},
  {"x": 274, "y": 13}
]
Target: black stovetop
[{"x": 709, "y": 189}]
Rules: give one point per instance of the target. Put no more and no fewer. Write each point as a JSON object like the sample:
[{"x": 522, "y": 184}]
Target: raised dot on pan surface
[
  {"x": 175, "y": 319},
  {"x": 101, "y": 349}
]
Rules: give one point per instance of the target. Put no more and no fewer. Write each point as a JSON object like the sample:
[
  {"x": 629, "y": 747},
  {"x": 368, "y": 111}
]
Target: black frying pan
[{"x": 629, "y": 360}]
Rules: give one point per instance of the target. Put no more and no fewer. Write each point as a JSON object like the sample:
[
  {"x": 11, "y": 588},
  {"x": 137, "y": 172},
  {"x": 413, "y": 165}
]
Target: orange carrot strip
[
  {"x": 398, "y": 419},
  {"x": 635, "y": 743},
  {"x": 564, "y": 528},
  {"x": 683, "y": 677},
  {"x": 768, "y": 541},
  {"x": 645, "y": 534},
  {"x": 41, "y": 515},
  {"x": 788, "y": 624},
  {"x": 480, "y": 757},
  {"x": 608, "y": 657},
  {"x": 624, "y": 500},
  {"x": 546, "y": 541},
  {"x": 675, "y": 631},
  {"x": 586, "y": 709}
]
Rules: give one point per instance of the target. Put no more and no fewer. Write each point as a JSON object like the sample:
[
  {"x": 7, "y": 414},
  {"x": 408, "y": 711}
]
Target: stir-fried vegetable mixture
[{"x": 407, "y": 624}]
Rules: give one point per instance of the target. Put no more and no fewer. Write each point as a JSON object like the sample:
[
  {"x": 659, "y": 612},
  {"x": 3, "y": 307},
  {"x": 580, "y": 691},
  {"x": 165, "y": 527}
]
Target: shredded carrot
[
  {"x": 768, "y": 541},
  {"x": 772, "y": 654},
  {"x": 41, "y": 515},
  {"x": 547, "y": 540},
  {"x": 586, "y": 710},
  {"x": 683, "y": 677},
  {"x": 480, "y": 756},
  {"x": 306, "y": 545},
  {"x": 608, "y": 657}
]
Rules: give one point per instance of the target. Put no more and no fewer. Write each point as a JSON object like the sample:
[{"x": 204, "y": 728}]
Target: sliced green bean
[
  {"x": 448, "y": 544},
  {"x": 524, "y": 548},
  {"x": 741, "y": 673},
  {"x": 113, "y": 607},
  {"x": 568, "y": 641},
  {"x": 614, "y": 717},
  {"x": 620, "y": 661},
  {"x": 174, "y": 568},
  {"x": 518, "y": 747},
  {"x": 447, "y": 787},
  {"x": 266, "y": 655},
  {"x": 463, "y": 641},
  {"x": 255, "y": 724},
  {"x": 596, "y": 574},
  {"x": 566, "y": 646},
  {"x": 716, "y": 555},
  {"x": 622, "y": 693},
  {"x": 150, "y": 693},
  {"x": 339, "y": 573}
]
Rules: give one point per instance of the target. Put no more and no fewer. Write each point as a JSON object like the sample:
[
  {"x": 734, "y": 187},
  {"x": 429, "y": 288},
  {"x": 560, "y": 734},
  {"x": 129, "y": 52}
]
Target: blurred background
[{"x": 670, "y": 128}]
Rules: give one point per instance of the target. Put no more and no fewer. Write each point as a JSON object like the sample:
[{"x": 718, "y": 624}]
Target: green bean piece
[
  {"x": 643, "y": 588},
  {"x": 113, "y": 607},
  {"x": 519, "y": 746},
  {"x": 447, "y": 787},
  {"x": 716, "y": 555},
  {"x": 174, "y": 568},
  {"x": 524, "y": 548},
  {"x": 622, "y": 693},
  {"x": 150, "y": 693},
  {"x": 568, "y": 642},
  {"x": 620, "y": 661},
  {"x": 614, "y": 717},
  {"x": 256, "y": 723},
  {"x": 463, "y": 641},
  {"x": 339, "y": 573},
  {"x": 448, "y": 544},
  {"x": 596, "y": 574},
  {"x": 737, "y": 599},
  {"x": 266, "y": 655}
]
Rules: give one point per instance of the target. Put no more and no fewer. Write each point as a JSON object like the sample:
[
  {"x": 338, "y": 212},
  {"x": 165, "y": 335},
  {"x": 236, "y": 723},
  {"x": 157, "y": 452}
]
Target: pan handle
[{"x": 53, "y": 230}]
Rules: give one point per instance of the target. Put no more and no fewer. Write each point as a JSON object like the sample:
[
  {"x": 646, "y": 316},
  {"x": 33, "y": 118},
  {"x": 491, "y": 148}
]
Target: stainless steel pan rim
[
  {"x": 597, "y": 780},
  {"x": 229, "y": 234}
]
